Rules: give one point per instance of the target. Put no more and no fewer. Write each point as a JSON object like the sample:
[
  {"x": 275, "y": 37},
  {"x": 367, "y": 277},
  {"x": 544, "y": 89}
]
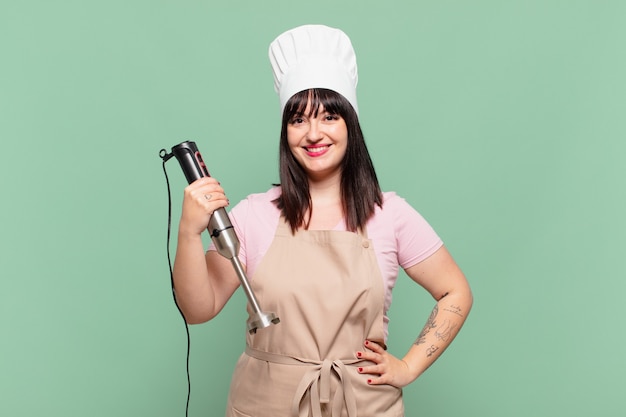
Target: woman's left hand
[{"x": 387, "y": 369}]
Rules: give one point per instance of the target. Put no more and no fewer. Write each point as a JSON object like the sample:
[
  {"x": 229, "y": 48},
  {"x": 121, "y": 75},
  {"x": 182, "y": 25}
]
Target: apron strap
[{"x": 316, "y": 381}]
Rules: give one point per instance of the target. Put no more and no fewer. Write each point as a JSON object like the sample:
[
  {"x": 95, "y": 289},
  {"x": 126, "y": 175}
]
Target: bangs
[
  {"x": 360, "y": 190},
  {"x": 332, "y": 102}
]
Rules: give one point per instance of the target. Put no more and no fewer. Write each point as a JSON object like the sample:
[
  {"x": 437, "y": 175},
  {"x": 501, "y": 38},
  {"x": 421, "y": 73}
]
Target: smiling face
[
  {"x": 318, "y": 141},
  {"x": 324, "y": 147}
]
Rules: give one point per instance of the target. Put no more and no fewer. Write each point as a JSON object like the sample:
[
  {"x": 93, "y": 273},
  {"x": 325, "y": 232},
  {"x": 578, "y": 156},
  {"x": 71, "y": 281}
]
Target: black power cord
[{"x": 165, "y": 156}]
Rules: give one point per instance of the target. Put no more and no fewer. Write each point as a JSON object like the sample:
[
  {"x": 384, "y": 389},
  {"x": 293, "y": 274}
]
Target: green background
[{"x": 502, "y": 122}]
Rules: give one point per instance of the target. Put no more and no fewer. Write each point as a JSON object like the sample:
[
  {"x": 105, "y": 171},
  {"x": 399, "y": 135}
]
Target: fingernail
[
  {"x": 360, "y": 369},
  {"x": 369, "y": 381},
  {"x": 358, "y": 354},
  {"x": 367, "y": 343}
]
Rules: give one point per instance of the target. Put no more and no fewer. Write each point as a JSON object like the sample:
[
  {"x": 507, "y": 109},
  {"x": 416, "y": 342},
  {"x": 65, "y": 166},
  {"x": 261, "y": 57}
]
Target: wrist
[
  {"x": 189, "y": 235},
  {"x": 415, "y": 362}
]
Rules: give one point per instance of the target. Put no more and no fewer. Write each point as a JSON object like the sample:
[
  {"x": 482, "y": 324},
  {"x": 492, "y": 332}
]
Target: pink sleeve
[
  {"x": 254, "y": 219},
  {"x": 416, "y": 239}
]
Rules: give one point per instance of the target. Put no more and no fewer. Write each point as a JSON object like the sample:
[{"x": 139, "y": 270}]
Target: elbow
[
  {"x": 468, "y": 299},
  {"x": 467, "y": 296},
  {"x": 196, "y": 319},
  {"x": 191, "y": 319},
  {"x": 461, "y": 296}
]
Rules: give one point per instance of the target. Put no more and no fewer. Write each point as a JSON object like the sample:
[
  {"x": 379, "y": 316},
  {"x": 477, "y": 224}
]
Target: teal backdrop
[{"x": 502, "y": 122}]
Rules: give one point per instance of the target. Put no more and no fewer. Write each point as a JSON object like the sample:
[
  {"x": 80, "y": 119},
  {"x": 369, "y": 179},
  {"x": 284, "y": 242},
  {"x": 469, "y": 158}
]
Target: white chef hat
[{"x": 313, "y": 56}]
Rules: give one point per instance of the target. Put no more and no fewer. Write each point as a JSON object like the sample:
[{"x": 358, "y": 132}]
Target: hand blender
[{"x": 222, "y": 233}]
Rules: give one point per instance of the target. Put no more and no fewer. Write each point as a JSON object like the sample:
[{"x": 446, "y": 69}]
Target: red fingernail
[
  {"x": 358, "y": 354},
  {"x": 367, "y": 343},
  {"x": 360, "y": 369},
  {"x": 369, "y": 381}
]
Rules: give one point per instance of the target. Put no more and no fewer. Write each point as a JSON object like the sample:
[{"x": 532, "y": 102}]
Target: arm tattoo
[
  {"x": 430, "y": 324},
  {"x": 454, "y": 309},
  {"x": 431, "y": 350},
  {"x": 446, "y": 331}
]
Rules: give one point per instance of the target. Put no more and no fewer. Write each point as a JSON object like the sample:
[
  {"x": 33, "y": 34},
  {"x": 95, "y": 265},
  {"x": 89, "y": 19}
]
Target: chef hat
[{"x": 313, "y": 56}]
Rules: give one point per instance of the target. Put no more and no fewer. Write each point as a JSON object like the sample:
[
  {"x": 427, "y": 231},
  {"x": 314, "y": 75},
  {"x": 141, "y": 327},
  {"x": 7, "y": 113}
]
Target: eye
[
  {"x": 331, "y": 117},
  {"x": 296, "y": 120}
]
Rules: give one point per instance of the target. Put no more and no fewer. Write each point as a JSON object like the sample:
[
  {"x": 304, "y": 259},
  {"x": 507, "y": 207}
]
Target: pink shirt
[{"x": 400, "y": 235}]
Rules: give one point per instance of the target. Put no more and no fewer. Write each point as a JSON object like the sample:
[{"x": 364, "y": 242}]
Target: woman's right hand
[{"x": 201, "y": 198}]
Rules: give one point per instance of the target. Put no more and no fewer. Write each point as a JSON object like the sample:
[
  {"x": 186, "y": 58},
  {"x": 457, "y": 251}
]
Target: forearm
[
  {"x": 442, "y": 278},
  {"x": 191, "y": 279},
  {"x": 202, "y": 281},
  {"x": 444, "y": 323}
]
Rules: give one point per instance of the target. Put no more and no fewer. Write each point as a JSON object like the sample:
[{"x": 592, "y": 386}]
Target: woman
[{"x": 322, "y": 251}]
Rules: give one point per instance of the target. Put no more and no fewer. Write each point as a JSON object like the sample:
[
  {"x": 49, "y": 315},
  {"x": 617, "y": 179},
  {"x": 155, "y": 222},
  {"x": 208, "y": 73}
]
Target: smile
[{"x": 316, "y": 150}]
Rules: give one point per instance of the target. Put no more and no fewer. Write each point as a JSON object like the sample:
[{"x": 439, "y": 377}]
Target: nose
[{"x": 314, "y": 134}]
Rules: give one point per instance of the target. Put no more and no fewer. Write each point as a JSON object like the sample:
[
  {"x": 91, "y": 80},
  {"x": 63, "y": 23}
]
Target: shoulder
[
  {"x": 256, "y": 210},
  {"x": 266, "y": 197},
  {"x": 392, "y": 201},
  {"x": 262, "y": 202},
  {"x": 255, "y": 219},
  {"x": 404, "y": 217},
  {"x": 413, "y": 237},
  {"x": 394, "y": 208}
]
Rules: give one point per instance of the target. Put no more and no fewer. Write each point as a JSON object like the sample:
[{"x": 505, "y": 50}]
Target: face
[{"x": 318, "y": 142}]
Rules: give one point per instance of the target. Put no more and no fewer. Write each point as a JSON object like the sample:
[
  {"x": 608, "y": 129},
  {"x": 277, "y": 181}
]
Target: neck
[
  {"x": 327, "y": 209},
  {"x": 325, "y": 190}
]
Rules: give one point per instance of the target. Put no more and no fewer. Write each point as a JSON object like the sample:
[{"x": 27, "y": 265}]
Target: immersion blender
[{"x": 222, "y": 232}]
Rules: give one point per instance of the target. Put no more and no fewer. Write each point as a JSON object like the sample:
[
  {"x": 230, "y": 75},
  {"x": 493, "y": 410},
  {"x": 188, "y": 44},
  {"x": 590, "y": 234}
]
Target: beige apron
[{"x": 327, "y": 289}]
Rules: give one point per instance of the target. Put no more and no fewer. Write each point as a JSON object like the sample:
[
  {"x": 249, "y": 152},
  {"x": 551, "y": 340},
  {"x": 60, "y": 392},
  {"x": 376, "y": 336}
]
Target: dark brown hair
[{"x": 360, "y": 191}]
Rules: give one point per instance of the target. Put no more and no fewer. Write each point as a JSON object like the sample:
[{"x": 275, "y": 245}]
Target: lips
[{"x": 316, "y": 150}]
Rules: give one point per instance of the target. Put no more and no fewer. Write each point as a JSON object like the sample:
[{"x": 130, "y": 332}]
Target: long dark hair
[{"x": 360, "y": 191}]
